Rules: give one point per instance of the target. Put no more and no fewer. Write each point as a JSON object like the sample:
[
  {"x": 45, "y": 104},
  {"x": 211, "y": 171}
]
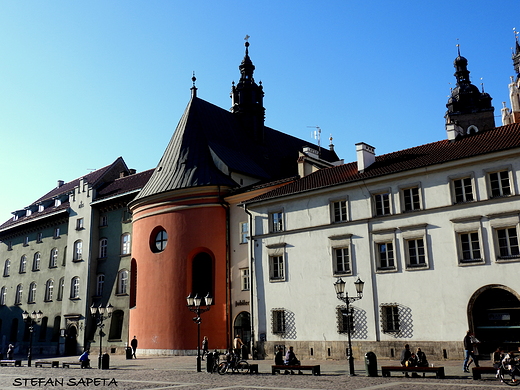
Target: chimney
[
  {"x": 60, "y": 183},
  {"x": 366, "y": 156}
]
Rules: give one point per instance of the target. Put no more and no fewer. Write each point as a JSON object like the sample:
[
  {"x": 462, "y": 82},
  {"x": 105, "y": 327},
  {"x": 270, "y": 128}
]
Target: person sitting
[
  {"x": 290, "y": 360},
  {"x": 278, "y": 357},
  {"x": 84, "y": 359},
  {"x": 421, "y": 358},
  {"x": 413, "y": 361}
]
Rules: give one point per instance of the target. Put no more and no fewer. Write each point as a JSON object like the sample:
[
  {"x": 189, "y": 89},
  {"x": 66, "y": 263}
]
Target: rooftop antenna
[{"x": 316, "y": 134}]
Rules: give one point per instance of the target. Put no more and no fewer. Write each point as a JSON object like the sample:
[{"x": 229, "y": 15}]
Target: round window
[{"x": 159, "y": 239}]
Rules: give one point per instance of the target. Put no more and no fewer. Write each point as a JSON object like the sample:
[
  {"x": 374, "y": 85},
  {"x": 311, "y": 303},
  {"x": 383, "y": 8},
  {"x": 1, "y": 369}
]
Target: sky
[{"x": 82, "y": 83}]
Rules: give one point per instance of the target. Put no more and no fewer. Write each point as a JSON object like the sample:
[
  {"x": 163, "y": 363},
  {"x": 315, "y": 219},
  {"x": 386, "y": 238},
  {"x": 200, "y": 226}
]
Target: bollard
[{"x": 371, "y": 364}]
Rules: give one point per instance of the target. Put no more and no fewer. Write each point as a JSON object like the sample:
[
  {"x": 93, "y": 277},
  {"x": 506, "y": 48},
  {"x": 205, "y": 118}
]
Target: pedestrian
[
  {"x": 421, "y": 358},
  {"x": 291, "y": 360},
  {"x": 278, "y": 357},
  {"x": 469, "y": 342},
  {"x": 498, "y": 356},
  {"x": 204, "y": 346},
  {"x": 84, "y": 359},
  {"x": 133, "y": 344},
  {"x": 10, "y": 352},
  {"x": 237, "y": 346}
]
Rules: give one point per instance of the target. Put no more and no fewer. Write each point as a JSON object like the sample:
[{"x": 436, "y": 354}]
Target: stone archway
[
  {"x": 71, "y": 341},
  {"x": 242, "y": 328},
  {"x": 494, "y": 317}
]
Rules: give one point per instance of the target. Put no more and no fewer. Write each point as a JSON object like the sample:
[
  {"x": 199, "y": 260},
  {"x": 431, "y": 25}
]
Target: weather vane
[{"x": 247, "y": 38}]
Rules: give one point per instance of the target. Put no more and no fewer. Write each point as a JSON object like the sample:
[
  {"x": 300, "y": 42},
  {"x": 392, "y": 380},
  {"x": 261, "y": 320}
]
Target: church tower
[
  {"x": 469, "y": 110},
  {"x": 513, "y": 115},
  {"x": 247, "y": 99}
]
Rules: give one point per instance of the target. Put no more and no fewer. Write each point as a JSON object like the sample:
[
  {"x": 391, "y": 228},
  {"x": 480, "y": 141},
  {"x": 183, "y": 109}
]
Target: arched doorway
[
  {"x": 494, "y": 317},
  {"x": 242, "y": 328},
  {"x": 71, "y": 342}
]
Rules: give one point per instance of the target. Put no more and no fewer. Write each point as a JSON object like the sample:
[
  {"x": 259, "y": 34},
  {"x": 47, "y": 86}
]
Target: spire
[
  {"x": 516, "y": 55},
  {"x": 247, "y": 98},
  {"x": 193, "y": 88}
]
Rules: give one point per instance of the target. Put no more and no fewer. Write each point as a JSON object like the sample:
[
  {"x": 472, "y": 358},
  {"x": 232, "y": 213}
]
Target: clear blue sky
[{"x": 83, "y": 82}]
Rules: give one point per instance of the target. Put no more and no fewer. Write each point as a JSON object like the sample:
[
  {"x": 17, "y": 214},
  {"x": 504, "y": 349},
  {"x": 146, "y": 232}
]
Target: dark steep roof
[
  {"x": 498, "y": 139},
  {"x": 209, "y": 140},
  {"x": 123, "y": 185}
]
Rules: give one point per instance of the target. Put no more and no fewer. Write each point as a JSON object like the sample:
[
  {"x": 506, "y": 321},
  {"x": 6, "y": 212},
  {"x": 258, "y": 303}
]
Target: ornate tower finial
[{"x": 193, "y": 88}]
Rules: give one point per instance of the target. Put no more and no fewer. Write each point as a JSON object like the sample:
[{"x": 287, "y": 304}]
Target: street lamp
[
  {"x": 343, "y": 296},
  {"x": 98, "y": 313},
  {"x": 31, "y": 319},
  {"x": 193, "y": 303}
]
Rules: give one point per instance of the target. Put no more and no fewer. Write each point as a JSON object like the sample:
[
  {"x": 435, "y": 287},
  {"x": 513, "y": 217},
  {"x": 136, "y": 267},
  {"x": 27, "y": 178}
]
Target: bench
[
  {"x": 478, "y": 371},
  {"x": 41, "y": 363},
  {"x": 253, "y": 368},
  {"x": 315, "y": 369},
  {"x": 15, "y": 363},
  {"x": 439, "y": 371},
  {"x": 68, "y": 364}
]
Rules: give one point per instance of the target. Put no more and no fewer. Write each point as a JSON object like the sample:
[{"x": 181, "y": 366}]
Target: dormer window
[
  {"x": 40, "y": 208},
  {"x": 57, "y": 202},
  {"x": 28, "y": 212}
]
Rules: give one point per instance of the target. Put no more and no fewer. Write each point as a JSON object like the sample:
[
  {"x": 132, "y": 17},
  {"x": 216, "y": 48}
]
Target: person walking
[
  {"x": 205, "y": 349},
  {"x": 237, "y": 346},
  {"x": 133, "y": 344},
  {"x": 469, "y": 355}
]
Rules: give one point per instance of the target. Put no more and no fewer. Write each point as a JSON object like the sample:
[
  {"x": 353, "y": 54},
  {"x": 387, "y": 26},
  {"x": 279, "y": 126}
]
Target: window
[
  {"x": 416, "y": 252},
  {"x": 499, "y": 184},
  {"x": 411, "y": 199},
  {"x": 125, "y": 244},
  {"x": 100, "y": 283},
  {"x": 276, "y": 267},
  {"x": 26, "y": 241},
  {"x": 244, "y": 279},
  {"x": 382, "y": 204},
  {"x": 244, "y": 232},
  {"x": 9, "y": 245},
  {"x": 79, "y": 224},
  {"x": 161, "y": 239},
  {"x": 385, "y": 256},
  {"x": 23, "y": 264},
  {"x": 78, "y": 251},
  {"x": 469, "y": 247},
  {"x": 463, "y": 190},
  {"x": 339, "y": 211},
  {"x": 103, "y": 245},
  {"x": 3, "y": 296},
  {"x": 341, "y": 261},
  {"x": 36, "y": 261},
  {"x": 53, "y": 260},
  {"x": 278, "y": 318},
  {"x": 127, "y": 216},
  {"x": 56, "y": 232},
  {"x": 61, "y": 287},
  {"x": 276, "y": 222},
  {"x": 507, "y": 243},
  {"x": 18, "y": 296},
  {"x": 103, "y": 221},
  {"x": 74, "y": 288},
  {"x": 49, "y": 289},
  {"x": 32, "y": 293},
  {"x": 7, "y": 267},
  {"x": 122, "y": 282},
  {"x": 390, "y": 318},
  {"x": 39, "y": 237}
]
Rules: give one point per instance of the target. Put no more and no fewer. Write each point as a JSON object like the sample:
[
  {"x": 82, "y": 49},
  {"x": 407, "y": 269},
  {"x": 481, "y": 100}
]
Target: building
[
  {"x": 431, "y": 230},
  {"x": 65, "y": 252}
]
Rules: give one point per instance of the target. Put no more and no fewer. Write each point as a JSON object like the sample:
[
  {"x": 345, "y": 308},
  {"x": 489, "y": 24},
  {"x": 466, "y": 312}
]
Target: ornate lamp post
[
  {"x": 98, "y": 313},
  {"x": 343, "y": 296},
  {"x": 193, "y": 303},
  {"x": 31, "y": 319}
]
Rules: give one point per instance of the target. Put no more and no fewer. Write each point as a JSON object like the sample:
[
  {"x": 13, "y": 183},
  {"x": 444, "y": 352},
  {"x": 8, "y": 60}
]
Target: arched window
[
  {"x": 116, "y": 325},
  {"x": 53, "y": 261},
  {"x": 122, "y": 282},
  {"x": 78, "y": 251},
  {"x": 3, "y": 296},
  {"x": 61, "y": 286},
  {"x": 125, "y": 244},
  {"x": 100, "y": 283},
  {"x": 49, "y": 289},
  {"x": 74, "y": 288},
  {"x": 36, "y": 261},
  {"x": 18, "y": 296},
  {"x": 7, "y": 267},
  {"x": 43, "y": 329},
  {"x": 13, "y": 335},
  {"x": 103, "y": 244},
  {"x": 202, "y": 274},
  {"x": 32, "y": 293},
  {"x": 56, "y": 329},
  {"x": 23, "y": 264}
]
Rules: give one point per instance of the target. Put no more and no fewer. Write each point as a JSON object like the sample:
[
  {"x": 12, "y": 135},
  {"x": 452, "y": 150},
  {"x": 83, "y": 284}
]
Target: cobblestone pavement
[{"x": 157, "y": 373}]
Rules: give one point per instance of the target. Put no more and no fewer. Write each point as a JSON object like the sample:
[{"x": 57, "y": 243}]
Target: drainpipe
[
  {"x": 251, "y": 281},
  {"x": 228, "y": 272}
]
